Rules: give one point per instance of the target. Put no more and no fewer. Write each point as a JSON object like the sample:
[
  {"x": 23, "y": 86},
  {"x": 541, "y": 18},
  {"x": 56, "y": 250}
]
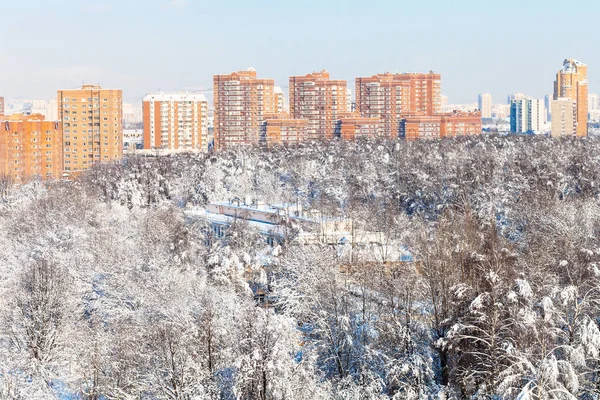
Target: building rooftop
[
  {"x": 570, "y": 66},
  {"x": 22, "y": 117},
  {"x": 174, "y": 96}
]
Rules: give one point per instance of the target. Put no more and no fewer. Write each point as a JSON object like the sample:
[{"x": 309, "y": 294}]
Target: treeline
[{"x": 108, "y": 292}]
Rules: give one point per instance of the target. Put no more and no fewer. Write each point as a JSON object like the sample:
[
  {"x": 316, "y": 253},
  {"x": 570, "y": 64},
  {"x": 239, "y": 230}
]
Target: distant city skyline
[{"x": 146, "y": 46}]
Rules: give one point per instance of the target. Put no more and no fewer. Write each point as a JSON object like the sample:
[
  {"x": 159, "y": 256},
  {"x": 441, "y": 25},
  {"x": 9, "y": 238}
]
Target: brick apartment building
[
  {"x": 280, "y": 129},
  {"x": 351, "y": 126},
  {"x": 456, "y": 123},
  {"x": 175, "y": 121},
  {"x": 241, "y": 100},
  {"x": 571, "y": 83},
  {"x": 91, "y": 126},
  {"x": 30, "y": 147},
  {"x": 318, "y": 99},
  {"x": 393, "y": 96}
]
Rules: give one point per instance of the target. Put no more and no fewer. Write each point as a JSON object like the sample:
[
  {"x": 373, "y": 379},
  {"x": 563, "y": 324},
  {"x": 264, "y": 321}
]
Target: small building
[
  {"x": 277, "y": 222},
  {"x": 456, "y": 123},
  {"x": 281, "y": 129},
  {"x": 351, "y": 126},
  {"x": 133, "y": 139}
]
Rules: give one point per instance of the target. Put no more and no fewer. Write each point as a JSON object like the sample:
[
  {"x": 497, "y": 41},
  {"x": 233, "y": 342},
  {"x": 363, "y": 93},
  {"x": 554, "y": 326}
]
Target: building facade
[
  {"x": 175, "y": 121},
  {"x": 241, "y": 100},
  {"x": 279, "y": 100},
  {"x": 30, "y": 147},
  {"x": 514, "y": 96},
  {"x": 352, "y": 126},
  {"x": 564, "y": 118},
  {"x": 548, "y": 105},
  {"x": 280, "y": 129},
  {"x": 485, "y": 105},
  {"x": 460, "y": 123},
  {"x": 593, "y": 102},
  {"x": 318, "y": 99},
  {"x": 527, "y": 116},
  {"x": 392, "y": 97},
  {"x": 571, "y": 83},
  {"x": 456, "y": 123},
  {"x": 91, "y": 126},
  {"x": 1, "y": 105}
]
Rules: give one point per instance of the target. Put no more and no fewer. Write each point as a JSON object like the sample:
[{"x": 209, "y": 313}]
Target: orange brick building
[
  {"x": 280, "y": 129},
  {"x": 352, "y": 126},
  {"x": 318, "y": 99},
  {"x": 441, "y": 125},
  {"x": 571, "y": 83},
  {"x": 241, "y": 101},
  {"x": 458, "y": 123},
  {"x": 30, "y": 147},
  {"x": 175, "y": 121},
  {"x": 392, "y": 97},
  {"x": 92, "y": 126}
]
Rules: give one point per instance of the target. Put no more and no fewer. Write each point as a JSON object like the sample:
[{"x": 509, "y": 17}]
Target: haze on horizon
[{"x": 143, "y": 46}]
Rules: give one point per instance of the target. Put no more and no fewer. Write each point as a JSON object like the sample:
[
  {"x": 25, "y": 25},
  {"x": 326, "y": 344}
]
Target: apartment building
[
  {"x": 279, "y": 99},
  {"x": 351, "y": 126},
  {"x": 392, "y": 97},
  {"x": 241, "y": 100},
  {"x": 461, "y": 123},
  {"x": 92, "y": 127},
  {"x": 281, "y": 129},
  {"x": 527, "y": 116},
  {"x": 456, "y": 123},
  {"x": 485, "y": 105},
  {"x": 421, "y": 127},
  {"x": 571, "y": 83},
  {"x": 30, "y": 147},
  {"x": 319, "y": 99},
  {"x": 175, "y": 121},
  {"x": 564, "y": 118}
]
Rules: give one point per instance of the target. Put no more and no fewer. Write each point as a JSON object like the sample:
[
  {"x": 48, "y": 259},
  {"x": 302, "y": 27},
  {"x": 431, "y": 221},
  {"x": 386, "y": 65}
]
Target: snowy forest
[{"x": 107, "y": 291}]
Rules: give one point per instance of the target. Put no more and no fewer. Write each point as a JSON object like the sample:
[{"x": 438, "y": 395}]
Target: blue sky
[{"x": 145, "y": 45}]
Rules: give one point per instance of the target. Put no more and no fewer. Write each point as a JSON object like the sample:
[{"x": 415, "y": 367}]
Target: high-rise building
[
  {"x": 391, "y": 97},
  {"x": 485, "y": 105},
  {"x": 176, "y": 121},
  {"x": 548, "y": 105},
  {"x": 128, "y": 115},
  {"x": 519, "y": 116},
  {"x": 444, "y": 101},
  {"x": 593, "y": 102},
  {"x": 241, "y": 101},
  {"x": 30, "y": 147},
  {"x": 52, "y": 110},
  {"x": 279, "y": 99},
  {"x": 1, "y": 105},
  {"x": 318, "y": 99},
  {"x": 527, "y": 116},
  {"x": 515, "y": 96},
  {"x": 564, "y": 115},
  {"x": 571, "y": 83},
  {"x": 91, "y": 126},
  {"x": 501, "y": 111}
]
